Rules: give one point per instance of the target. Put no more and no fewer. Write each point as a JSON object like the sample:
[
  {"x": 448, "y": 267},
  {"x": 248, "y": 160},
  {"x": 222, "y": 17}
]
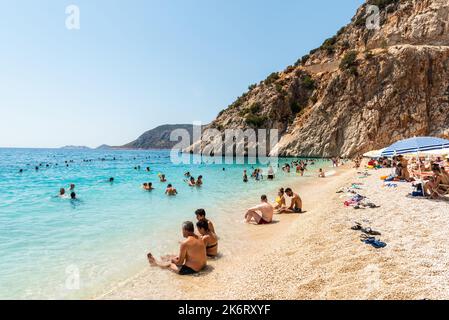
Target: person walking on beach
[
  {"x": 201, "y": 216},
  {"x": 192, "y": 256},
  {"x": 262, "y": 213},
  {"x": 170, "y": 190}
]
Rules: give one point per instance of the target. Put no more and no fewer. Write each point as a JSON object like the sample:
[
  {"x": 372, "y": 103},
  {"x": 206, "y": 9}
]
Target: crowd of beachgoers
[{"x": 429, "y": 175}]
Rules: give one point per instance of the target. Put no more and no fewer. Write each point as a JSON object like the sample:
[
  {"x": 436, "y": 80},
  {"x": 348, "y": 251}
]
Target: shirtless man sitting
[
  {"x": 295, "y": 205},
  {"x": 192, "y": 254},
  {"x": 262, "y": 213}
]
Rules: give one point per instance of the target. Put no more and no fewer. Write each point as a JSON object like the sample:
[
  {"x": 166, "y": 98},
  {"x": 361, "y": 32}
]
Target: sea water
[{"x": 53, "y": 247}]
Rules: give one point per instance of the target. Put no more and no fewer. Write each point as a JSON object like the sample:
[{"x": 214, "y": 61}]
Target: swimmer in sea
[
  {"x": 111, "y": 180},
  {"x": 147, "y": 186},
  {"x": 162, "y": 178},
  {"x": 245, "y": 176},
  {"x": 72, "y": 187},
  {"x": 170, "y": 191},
  {"x": 199, "y": 181},
  {"x": 62, "y": 192},
  {"x": 191, "y": 182}
]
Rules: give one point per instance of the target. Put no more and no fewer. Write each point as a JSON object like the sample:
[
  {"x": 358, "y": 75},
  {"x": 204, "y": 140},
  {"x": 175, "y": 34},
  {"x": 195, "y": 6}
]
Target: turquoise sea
[{"x": 54, "y": 248}]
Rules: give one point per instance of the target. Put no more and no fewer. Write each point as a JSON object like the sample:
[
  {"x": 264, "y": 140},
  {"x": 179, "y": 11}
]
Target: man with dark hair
[
  {"x": 262, "y": 213},
  {"x": 201, "y": 216},
  {"x": 296, "y": 202},
  {"x": 192, "y": 254}
]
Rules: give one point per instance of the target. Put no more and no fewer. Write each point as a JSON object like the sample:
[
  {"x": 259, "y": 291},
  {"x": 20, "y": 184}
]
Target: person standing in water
[
  {"x": 245, "y": 176},
  {"x": 170, "y": 191},
  {"x": 199, "y": 181}
]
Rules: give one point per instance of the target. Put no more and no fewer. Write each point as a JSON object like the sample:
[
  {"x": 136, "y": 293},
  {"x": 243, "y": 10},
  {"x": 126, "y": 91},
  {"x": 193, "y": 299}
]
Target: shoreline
[
  {"x": 316, "y": 255},
  {"x": 251, "y": 237}
]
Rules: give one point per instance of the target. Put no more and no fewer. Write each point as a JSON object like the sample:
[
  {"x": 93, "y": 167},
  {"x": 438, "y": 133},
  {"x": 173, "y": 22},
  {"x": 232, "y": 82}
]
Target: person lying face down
[
  {"x": 192, "y": 256},
  {"x": 262, "y": 213}
]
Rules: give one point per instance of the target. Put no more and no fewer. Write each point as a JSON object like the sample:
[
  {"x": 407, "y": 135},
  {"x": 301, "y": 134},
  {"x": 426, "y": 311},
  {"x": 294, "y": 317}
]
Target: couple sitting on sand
[
  {"x": 263, "y": 213},
  {"x": 194, "y": 250},
  {"x": 295, "y": 202}
]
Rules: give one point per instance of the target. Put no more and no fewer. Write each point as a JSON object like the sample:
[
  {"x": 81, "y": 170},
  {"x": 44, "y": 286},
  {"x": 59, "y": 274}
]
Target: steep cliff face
[{"x": 362, "y": 89}]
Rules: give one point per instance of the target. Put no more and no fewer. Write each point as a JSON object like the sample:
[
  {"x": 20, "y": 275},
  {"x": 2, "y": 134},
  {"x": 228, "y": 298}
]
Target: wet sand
[{"x": 316, "y": 255}]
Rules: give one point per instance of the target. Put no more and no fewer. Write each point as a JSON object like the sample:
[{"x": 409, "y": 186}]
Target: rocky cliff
[{"x": 362, "y": 89}]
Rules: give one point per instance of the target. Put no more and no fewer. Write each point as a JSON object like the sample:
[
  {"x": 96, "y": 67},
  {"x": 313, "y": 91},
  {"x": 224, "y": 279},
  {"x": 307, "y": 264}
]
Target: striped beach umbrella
[{"x": 415, "y": 145}]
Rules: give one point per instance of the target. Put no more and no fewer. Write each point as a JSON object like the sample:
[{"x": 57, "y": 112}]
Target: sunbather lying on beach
[
  {"x": 209, "y": 238},
  {"x": 262, "y": 213},
  {"x": 295, "y": 205},
  {"x": 201, "y": 216},
  {"x": 192, "y": 254}
]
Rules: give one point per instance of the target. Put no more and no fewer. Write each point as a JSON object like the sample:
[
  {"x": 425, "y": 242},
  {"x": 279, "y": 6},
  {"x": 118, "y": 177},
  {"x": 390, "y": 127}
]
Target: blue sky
[{"x": 137, "y": 64}]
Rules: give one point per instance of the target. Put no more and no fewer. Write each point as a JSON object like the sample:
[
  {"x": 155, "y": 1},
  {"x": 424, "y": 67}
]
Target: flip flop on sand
[
  {"x": 376, "y": 243},
  {"x": 370, "y": 231}
]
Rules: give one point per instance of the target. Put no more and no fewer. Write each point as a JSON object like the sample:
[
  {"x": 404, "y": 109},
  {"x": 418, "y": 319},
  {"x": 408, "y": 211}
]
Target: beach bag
[
  {"x": 419, "y": 190},
  {"x": 389, "y": 179}
]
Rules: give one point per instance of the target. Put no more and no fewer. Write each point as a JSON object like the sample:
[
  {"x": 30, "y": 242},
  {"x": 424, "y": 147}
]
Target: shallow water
[{"x": 47, "y": 243}]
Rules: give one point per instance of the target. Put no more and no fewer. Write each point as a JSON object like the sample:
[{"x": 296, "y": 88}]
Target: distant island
[
  {"x": 158, "y": 138},
  {"x": 75, "y": 148}
]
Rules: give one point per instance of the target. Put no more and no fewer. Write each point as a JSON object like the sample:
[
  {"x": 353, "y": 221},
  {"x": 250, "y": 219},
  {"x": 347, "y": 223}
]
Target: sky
[{"x": 136, "y": 64}]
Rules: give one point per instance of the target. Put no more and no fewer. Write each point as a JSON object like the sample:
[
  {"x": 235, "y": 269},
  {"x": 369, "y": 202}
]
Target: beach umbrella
[
  {"x": 374, "y": 154},
  {"x": 440, "y": 152},
  {"x": 416, "y": 145}
]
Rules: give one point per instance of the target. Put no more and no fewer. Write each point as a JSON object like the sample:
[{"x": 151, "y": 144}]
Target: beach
[{"x": 316, "y": 255}]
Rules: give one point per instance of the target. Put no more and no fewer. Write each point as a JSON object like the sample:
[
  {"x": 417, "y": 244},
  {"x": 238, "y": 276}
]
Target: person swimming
[
  {"x": 170, "y": 191},
  {"x": 199, "y": 181},
  {"x": 111, "y": 180},
  {"x": 73, "y": 196},
  {"x": 72, "y": 187},
  {"x": 245, "y": 176},
  {"x": 62, "y": 192},
  {"x": 147, "y": 186},
  {"x": 187, "y": 174},
  {"x": 209, "y": 238},
  {"x": 191, "y": 182},
  {"x": 162, "y": 178}
]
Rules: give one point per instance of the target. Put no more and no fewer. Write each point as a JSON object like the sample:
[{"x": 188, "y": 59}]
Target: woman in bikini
[{"x": 209, "y": 238}]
